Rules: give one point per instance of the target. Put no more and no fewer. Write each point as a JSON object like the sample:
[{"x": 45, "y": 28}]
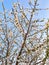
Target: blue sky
[{"x": 42, "y": 4}]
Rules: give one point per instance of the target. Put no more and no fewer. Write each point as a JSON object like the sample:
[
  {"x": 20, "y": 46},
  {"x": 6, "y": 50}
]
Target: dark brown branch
[{"x": 27, "y": 32}]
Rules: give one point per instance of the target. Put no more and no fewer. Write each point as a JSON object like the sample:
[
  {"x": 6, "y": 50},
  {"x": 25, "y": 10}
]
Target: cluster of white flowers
[
  {"x": 15, "y": 5},
  {"x": 18, "y": 25},
  {"x": 47, "y": 24},
  {"x": 10, "y": 33}
]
